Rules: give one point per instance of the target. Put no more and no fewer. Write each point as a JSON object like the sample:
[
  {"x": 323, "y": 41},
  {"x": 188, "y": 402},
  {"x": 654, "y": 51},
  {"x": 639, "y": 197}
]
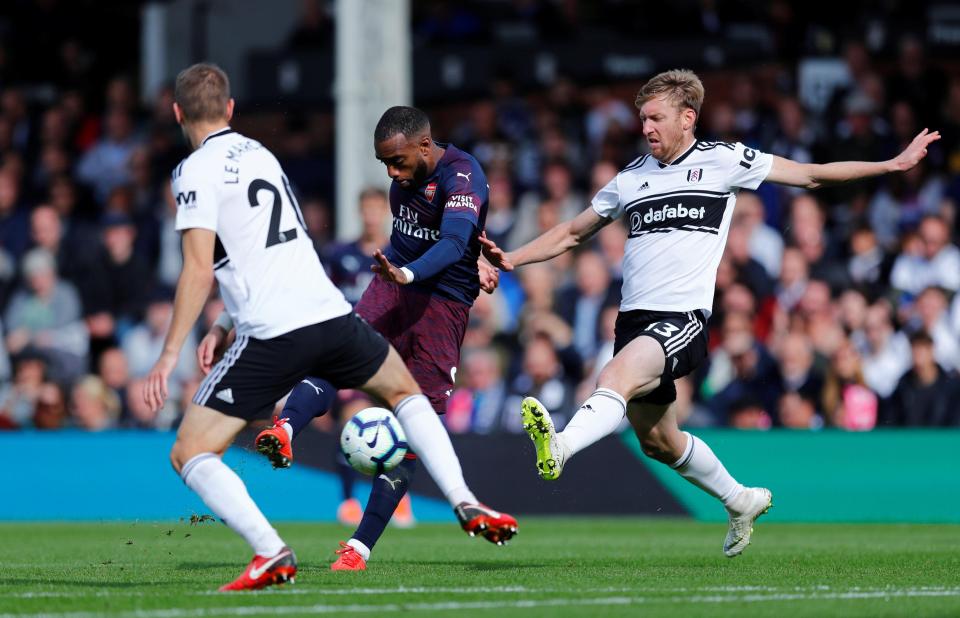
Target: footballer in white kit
[
  {"x": 289, "y": 318},
  {"x": 677, "y": 217},
  {"x": 240, "y": 223},
  {"x": 677, "y": 203}
]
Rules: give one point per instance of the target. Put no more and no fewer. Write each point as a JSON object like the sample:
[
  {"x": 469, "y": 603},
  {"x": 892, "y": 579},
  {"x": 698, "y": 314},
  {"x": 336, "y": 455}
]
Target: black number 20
[{"x": 275, "y": 236}]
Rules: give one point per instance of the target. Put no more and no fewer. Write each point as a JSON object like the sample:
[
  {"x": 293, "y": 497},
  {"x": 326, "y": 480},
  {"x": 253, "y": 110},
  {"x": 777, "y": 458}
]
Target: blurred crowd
[{"x": 834, "y": 308}]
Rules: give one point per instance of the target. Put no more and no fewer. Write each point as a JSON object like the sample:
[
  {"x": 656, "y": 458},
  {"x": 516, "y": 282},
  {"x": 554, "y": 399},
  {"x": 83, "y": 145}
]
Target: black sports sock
[
  {"x": 387, "y": 491},
  {"x": 309, "y": 399}
]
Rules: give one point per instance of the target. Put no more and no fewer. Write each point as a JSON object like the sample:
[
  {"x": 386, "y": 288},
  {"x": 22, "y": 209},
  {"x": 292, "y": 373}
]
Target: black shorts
[
  {"x": 683, "y": 337},
  {"x": 255, "y": 373}
]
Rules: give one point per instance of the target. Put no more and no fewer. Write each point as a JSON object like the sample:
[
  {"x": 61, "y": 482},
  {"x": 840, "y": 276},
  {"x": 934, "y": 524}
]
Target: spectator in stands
[
  {"x": 798, "y": 372},
  {"x": 348, "y": 264},
  {"x": 116, "y": 283},
  {"x": 868, "y": 265},
  {"x": 926, "y": 395},
  {"x": 19, "y": 399},
  {"x": 797, "y": 412},
  {"x": 542, "y": 376},
  {"x": 500, "y": 213},
  {"x": 51, "y": 409},
  {"x": 902, "y": 203},
  {"x": 794, "y": 275},
  {"x": 107, "y": 164},
  {"x": 14, "y": 222},
  {"x": 764, "y": 242},
  {"x": 478, "y": 406},
  {"x": 886, "y": 354},
  {"x": 114, "y": 371},
  {"x": 45, "y": 315},
  {"x": 930, "y": 315},
  {"x": 144, "y": 342},
  {"x": 94, "y": 407},
  {"x": 740, "y": 369},
  {"x": 937, "y": 263},
  {"x": 580, "y": 304},
  {"x": 557, "y": 193},
  {"x": 847, "y": 401}
]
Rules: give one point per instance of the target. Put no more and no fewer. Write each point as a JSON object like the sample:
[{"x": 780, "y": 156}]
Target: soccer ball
[{"x": 373, "y": 441}]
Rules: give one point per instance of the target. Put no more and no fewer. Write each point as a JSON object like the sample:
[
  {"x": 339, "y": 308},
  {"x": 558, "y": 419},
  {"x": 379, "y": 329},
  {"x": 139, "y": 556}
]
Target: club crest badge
[
  {"x": 694, "y": 176},
  {"x": 430, "y": 191}
]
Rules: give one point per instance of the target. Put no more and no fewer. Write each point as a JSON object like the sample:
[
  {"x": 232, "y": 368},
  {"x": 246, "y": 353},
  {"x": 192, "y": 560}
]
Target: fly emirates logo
[{"x": 408, "y": 223}]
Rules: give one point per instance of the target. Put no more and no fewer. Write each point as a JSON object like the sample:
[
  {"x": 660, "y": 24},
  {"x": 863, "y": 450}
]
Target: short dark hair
[
  {"x": 202, "y": 91},
  {"x": 921, "y": 337},
  {"x": 409, "y": 121}
]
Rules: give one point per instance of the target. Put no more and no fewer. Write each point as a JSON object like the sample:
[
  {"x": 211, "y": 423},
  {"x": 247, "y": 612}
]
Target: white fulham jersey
[
  {"x": 677, "y": 218},
  {"x": 270, "y": 277}
]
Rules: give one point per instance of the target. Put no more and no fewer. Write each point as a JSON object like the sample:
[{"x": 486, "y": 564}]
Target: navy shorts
[
  {"x": 427, "y": 330},
  {"x": 255, "y": 373},
  {"x": 683, "y": 337}
]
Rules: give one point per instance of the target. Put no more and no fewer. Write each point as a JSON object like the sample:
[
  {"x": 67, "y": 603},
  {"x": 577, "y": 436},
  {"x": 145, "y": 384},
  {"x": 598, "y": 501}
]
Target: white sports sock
[
  {"x": 428, "y": 438},
  {"x": 361, "y": 549},
  {"x": 701, "y": 467},
  {"x": 598, "y": 417},
  {"x": 289, "y": 429},
  {"x": 226, "y": 495}
]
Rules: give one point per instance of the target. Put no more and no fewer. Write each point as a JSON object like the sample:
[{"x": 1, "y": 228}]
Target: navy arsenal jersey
[{"x": 456, "y": 188}]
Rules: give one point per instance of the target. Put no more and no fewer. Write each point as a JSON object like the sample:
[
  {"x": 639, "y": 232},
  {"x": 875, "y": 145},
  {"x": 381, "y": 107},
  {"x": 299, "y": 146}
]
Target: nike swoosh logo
[
  {"x": 376, "y": 437},
  {"x": 256, "y": 572}
]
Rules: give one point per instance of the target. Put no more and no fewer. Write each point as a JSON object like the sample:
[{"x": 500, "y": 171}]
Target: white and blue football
[{"x": 373, "y": 441}]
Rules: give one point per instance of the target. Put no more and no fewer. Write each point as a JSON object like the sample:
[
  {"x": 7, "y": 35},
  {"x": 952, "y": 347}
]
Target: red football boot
[
  {"x": 348, "y": 560},
  {"x": 275, "y": 444},
  {"x": 480, "y": 519},
  {"x": 263, "y": 572}
]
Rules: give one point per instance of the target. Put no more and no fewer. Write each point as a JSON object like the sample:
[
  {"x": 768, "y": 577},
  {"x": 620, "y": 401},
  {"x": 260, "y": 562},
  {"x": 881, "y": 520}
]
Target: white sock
[
  {"x": 288, "y": 429},
  {"x": 598, "y": 417},
  {"x": 361, "y": 549},
  {"x": 428, "y": 438},
  {"x": 226, "y": 495},
  {"x": 701, "y": 467}
]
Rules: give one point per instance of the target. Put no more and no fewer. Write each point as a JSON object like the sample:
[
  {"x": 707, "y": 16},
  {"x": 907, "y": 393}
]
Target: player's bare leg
[
  {"x": 661, "y": 439},
  {"x": 203, "y": 437},
  {"x": 633, "y": 371},
  {"x": 428, "y": 438}
]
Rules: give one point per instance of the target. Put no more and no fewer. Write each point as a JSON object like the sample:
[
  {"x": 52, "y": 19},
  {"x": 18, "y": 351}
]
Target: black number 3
[{"x": 274, "y": 236}]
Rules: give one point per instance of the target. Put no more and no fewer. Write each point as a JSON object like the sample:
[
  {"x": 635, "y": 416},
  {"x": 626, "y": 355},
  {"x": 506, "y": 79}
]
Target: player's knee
[
  {"x": 183, "y": 451},
  {"x": 656, "y": 445}
]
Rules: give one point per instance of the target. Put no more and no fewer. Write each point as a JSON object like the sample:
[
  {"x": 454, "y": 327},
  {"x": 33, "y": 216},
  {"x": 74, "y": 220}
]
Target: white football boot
[{"x": 748, "y": 506}]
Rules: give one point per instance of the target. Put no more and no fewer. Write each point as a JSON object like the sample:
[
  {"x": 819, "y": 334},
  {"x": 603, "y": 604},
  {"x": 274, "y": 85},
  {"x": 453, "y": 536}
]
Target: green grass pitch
[{"x": 555, "y": 567}]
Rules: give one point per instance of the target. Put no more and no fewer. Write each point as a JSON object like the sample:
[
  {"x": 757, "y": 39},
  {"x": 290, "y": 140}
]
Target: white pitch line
[{"x": 257, "y": 610}]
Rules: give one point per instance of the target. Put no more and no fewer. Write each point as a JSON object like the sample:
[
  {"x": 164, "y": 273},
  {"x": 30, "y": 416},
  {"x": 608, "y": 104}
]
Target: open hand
[
  {"x": 387, "y": 271},
  {"x": 494, "y": 254},
  {"x": 916, "y": 151},
  {"x": 155, "y": 390}
]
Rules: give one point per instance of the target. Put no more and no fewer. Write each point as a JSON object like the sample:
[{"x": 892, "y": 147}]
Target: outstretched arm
[
  {"x": 558, "y": 239},
  {"x": 814, "y": 176}
]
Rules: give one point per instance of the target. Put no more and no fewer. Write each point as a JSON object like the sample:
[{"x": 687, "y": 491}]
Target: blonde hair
[
  {"x": 681, "y": 86},
  {"x": 202, "y": 91}
]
